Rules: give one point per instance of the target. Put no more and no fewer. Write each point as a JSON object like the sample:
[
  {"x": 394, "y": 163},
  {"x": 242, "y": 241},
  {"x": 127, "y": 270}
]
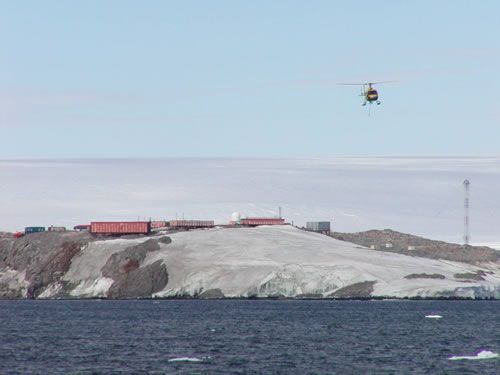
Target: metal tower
[{"x": 466, "y": 212}]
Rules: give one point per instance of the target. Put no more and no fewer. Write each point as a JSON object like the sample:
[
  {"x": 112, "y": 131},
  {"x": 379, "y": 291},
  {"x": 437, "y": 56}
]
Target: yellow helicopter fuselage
[{"x": 371, "y": 95}]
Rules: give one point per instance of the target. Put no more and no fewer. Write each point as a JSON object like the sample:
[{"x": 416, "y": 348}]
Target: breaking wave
[
  {"x": 434, "y": 316},
  {"x": 483, "y": 354},
  {"x": 185, "y": 359}
]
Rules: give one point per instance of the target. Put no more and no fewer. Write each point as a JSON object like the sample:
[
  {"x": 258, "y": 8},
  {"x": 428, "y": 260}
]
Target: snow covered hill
[{"x": 278, "y": 261}]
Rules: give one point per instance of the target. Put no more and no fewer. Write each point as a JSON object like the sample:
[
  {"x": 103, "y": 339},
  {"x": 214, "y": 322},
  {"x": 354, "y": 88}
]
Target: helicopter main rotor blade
[
  {"x": 378, "y": 83},
  {"x": 364, "y": 84},
  {"x": 352, "y": 84}
]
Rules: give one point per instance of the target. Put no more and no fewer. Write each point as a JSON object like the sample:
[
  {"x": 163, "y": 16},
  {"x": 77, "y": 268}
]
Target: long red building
[
  {"x": 192, "y": 224},
  {"x": 255, "y": 221},
  {"x": 120, "y": 227}
]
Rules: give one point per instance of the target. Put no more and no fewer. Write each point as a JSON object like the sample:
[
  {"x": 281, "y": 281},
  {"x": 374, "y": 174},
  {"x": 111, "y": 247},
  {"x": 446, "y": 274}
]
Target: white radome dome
[{"x": 235, "y": 217}]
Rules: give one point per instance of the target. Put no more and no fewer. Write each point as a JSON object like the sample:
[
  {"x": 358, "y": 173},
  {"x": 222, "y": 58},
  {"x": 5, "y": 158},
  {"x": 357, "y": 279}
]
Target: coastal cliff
[{"x": 277, "y": 262}]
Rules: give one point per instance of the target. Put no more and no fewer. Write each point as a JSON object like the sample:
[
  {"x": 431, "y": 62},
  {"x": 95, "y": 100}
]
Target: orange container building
[{"x": 120, "y": 227}]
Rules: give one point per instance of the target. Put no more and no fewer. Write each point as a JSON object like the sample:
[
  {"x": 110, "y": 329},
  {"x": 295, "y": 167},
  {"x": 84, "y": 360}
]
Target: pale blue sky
[{"x": 247, "y": 78}]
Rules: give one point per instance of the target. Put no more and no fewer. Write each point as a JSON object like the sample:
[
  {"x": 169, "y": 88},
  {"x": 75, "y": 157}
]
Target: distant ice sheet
[
  {"x": 416, "y": 195},
  {"x": 483, "y": 354}
]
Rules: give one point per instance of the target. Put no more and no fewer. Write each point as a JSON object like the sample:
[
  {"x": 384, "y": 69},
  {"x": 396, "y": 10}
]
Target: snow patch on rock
[
  {"x": 92, "y": 288},
  {"x": 13, "y": 281},
  {"x": 85, "y": 271},
  {"x": 52, "y": 290}
]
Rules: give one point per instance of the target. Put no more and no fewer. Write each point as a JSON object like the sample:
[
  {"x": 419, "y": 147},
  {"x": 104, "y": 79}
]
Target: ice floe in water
[
  {"x": 185, "y": 359},
  {"x": 434, "y": 316},
  {"x": 483, "y": 354}
]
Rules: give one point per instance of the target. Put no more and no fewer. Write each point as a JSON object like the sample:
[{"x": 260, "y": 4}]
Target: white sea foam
[
  {"x": 185, "y": 359},
  {"x": 434, "y": 316},
  {"x": 483, "y": 354}
]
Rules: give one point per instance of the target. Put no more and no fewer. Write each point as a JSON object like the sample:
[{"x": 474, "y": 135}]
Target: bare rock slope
[
  {"x": 38, "y": 264},
  {"x": 41, "y": 258},
  {"x": 408, "y": 244}
]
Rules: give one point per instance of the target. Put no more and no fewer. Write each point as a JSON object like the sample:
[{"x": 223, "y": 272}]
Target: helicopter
[{"x": 368, "y": 93}]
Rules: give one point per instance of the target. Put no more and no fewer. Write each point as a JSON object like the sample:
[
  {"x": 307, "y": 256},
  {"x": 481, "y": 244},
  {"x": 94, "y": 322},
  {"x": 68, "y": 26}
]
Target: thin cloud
[{"x": 28, "y": 107}]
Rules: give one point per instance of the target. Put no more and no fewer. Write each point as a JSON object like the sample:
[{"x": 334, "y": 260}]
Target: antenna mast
[{"x": 466, "y": 212}]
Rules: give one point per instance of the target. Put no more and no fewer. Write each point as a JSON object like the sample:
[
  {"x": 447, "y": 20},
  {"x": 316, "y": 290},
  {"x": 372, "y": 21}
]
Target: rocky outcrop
[
  {"x": 43, "y": 257},
  {"x": 475, "y": 276},
  {"x": 140, "y": 282},
  {"x": 131, "y": 280},
  {"x": 211, "y": 294},
  {"x": 126, "y": 261},
  {"x": 358, "y": 290},
  {"x": 402, "y": 243},
  {"x": 12, "y": 284},
  {"x": 165, "y": 240},
  {"x": 35, "y": 265},
  {"x": 425, "y": 276}
]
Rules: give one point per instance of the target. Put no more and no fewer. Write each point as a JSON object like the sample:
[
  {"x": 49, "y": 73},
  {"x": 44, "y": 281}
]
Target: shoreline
[{"x": 189, "y": 298}]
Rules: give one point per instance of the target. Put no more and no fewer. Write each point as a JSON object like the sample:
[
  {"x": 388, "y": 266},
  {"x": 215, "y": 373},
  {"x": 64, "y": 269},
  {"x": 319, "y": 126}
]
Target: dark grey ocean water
[{"x": 247, "y": 337}]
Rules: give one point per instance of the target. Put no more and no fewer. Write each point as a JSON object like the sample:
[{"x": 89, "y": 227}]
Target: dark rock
[
  {"x": 8, "y": 293},
  {"x": 45, "y": 256},
  {"x": 165, "y": 240},
  {"x": 470, "y": 276},
  {"x": 129, "y": 259},
  {"x": 421, "y": 247},
  {"x": 358, "y": 290},
  {"x": 425, "y": 276},
  {"x": 140, "y": 283}
]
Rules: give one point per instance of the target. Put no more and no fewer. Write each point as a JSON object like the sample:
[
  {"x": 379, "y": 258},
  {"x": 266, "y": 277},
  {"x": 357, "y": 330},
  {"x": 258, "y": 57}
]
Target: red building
[
  {"x": 120, "y": 227},
  {"x": 159, "y": 224},
  {"x": 255, "y": 221},
  {"x": 192, "y": 224}
]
